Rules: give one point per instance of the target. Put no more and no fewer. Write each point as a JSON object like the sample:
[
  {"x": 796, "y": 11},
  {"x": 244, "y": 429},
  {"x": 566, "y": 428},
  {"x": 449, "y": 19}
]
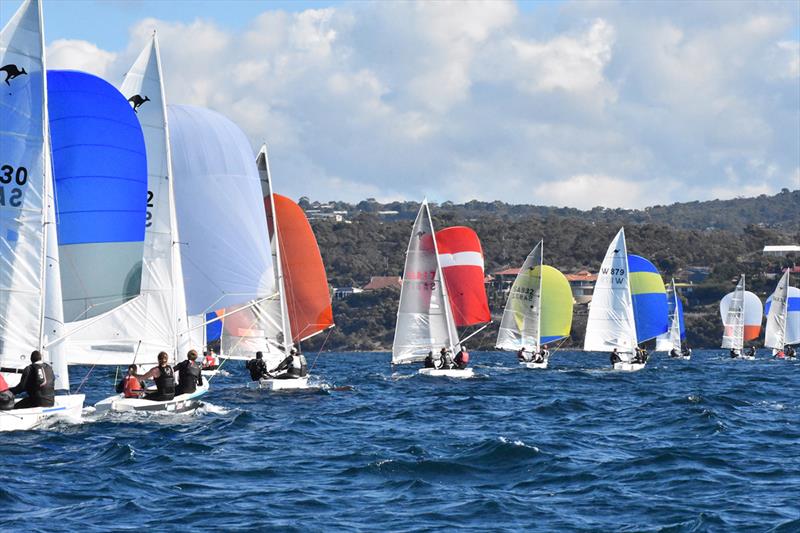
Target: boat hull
[
  {"x": 68, "y": 407},
  {"x": 628, "y": 367},
  {"x": 279, "y": 384},
  {"x": 447, "y": 373},
  {"x": 531, "y": 364},
  {"x": 179, "y": 404}
]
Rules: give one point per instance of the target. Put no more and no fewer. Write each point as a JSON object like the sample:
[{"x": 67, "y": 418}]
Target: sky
[{"x": 583, "y": 104}]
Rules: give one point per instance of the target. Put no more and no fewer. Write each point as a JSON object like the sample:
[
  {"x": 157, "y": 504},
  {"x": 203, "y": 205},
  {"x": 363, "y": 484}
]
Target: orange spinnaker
[{"x": 306, "y": 286}]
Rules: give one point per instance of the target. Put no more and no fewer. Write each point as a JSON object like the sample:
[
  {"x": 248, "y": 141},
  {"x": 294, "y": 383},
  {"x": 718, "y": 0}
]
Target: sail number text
[
  {"x": 149, "y": 215},
  {"x": 425, "y": 281},
  {"x": 15, "y": 178}
]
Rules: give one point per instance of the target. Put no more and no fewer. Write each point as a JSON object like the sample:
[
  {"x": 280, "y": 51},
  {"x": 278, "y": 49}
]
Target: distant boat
[
  {"x": 783, "y": 316},
  {"x": 741, "y": 317},
  {"x": 31, "y": 308},
  {"x": 629, "y": 306},
  {"x": 302, "y": 307},
  {"x": 426, "y": 320},
  {"x": 538, "y": 310},
  {"x": 671, "y": 341}
]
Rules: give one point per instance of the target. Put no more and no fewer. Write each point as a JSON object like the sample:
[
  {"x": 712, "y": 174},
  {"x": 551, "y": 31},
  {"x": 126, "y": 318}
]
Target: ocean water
[{"x": 705, "y": 445}]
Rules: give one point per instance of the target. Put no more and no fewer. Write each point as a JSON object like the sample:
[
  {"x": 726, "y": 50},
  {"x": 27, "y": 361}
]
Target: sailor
[
  {"x": 751, "y": 352},
  {"x": 131, "y": 386},
  {"x": 790, "y": 353},
  {"x": 429, "y": 360},
  {"x": 615, "y": 358},
  {"x": 209, "y": 361},
  {"x": 189, "y": 374},
  {"x": 6, "y": 396},
  {"x": 674, "y": 352},
  {"x": 687, "y": 352},
  {"x": 38, "y": 380},
  {"x": 294, "y": 366},
  {"x": 545, "y": 353},
  {"x": 462, "y": 359},
  {"x": 164, "y": 377},
  {"x": 521, "y": 355},
  {"x": 446, "y": 358},
  {"x": 257, "y": 367},
  {"x": 734, "y": 353}
]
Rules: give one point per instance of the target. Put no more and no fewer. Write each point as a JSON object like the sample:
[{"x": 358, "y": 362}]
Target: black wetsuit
[
  {"x": 165, "y": 385},
  {"x": 38, "y": 380},
  {"x": 790, "y": 353},
  {"x": 257, "y": 368},
  {"x": 291, "y": 370},
  {"x": 615, "y": 358},
  {"x": 429, "y": 361},
  {"x": 189, "y": 377}
]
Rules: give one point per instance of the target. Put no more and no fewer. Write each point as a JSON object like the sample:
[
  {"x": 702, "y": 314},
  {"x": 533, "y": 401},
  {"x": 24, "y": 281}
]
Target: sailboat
[
  {"x": 302, "y": 307},
  {"x": 425, "y": 318},
  {"x": 741, "y": 317},
  {"x": 783, "y": 316},
  {"x": 31, "y": 308},
  {"x": 629, "y": 306},
  {"x": 538, "y": 310},
  {"x": 670, "y": 341}
]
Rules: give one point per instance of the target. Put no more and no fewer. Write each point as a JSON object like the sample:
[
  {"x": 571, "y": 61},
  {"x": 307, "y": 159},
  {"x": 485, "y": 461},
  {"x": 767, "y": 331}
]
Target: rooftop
[{"x": 383, "y": 282}]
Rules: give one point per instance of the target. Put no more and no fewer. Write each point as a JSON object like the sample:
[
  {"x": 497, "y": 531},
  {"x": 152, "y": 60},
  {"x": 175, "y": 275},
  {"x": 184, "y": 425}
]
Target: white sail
[
  {"x": 672, "y": 338},
  {"x": 775, "y": 336},
  {"x": 733, "y": 336},
  {"x": 611, "y": 322},
  {"x": 31, "y": 312},
  {"x": 155, "y": 320},
  {"x": 220, "y": 212},
  {"x": 264, "y": 326},
  {"x": 424, "y": 319},
  {"x": 520, "y": 325}
]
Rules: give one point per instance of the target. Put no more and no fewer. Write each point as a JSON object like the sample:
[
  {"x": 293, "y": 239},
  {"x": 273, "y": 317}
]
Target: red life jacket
[
  {"x": 3, "y": 384},
  {"x": 131, "y": 387},
  {"x": 209, "y": 360}
]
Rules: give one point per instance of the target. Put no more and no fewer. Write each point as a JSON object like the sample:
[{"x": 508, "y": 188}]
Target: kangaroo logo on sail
[
  {"x": 137, "y": 101},
  {"x": 12, "y": 71}
]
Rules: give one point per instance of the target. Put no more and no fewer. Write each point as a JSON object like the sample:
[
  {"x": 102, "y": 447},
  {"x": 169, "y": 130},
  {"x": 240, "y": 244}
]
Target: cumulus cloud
[{"x": 575, "y": 103}]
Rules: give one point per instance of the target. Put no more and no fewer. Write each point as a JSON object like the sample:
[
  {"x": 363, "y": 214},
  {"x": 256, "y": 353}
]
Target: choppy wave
[{"x": 705, "y": 445}]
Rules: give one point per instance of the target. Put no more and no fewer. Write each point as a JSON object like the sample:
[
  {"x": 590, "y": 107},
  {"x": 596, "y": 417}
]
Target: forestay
[
  {"x": 156, "y": 320},
  {"x": 100, "y": 168},
  {"x": 424, "y": 320},
  {"x": 611, "y": 321},
  {"x": 31, "y": 313},
  {"x": 220, "y": 212}
]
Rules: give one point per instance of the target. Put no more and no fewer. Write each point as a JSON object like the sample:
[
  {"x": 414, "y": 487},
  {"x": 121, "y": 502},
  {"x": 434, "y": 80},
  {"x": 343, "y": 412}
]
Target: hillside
[{"x": 372, "y": 245}]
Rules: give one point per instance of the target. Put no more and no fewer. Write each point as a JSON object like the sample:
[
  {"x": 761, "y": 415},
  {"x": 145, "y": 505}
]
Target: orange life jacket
[
  {"x": 131, "y": 387},
  {"x": 210, "y": 360}
]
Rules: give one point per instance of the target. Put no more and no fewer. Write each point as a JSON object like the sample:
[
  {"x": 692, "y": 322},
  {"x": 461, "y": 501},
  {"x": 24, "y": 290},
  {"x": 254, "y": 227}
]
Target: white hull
[
  {"x": 210, "y": 373},
  {"x": 279, "y": 384},
  {"x": 628, "y": 367},
  {"x": 533, "y": 365},
  {"x": 682, "y": 357},
  {"x": 745, "y": 357},
  {"x": 179, "y": 404},
  {"x": 448, "y": 373},
  {"x": 68, "y": 408}
]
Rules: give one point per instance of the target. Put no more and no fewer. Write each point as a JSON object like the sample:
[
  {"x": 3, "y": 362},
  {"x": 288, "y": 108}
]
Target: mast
[
  {"x": 288, "y": 340},
  {"x": 448, "y": 312},
  {"x": 629, "y": 294},
  {"x": 539, "y": 298}
]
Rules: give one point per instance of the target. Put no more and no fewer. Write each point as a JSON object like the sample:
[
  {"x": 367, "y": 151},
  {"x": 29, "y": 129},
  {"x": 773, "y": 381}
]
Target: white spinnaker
[
  {"x": 155, "y": 320},
  {"x": 220, "y": 211},
  {"x": 672, "y": 338},
  {"x": 264, "y": 326},
  {"x": 611, "y": 322},
  {"x": 31, "y": 312},
  {"x": 775, "y": 336},
  {"x": 520, "y": 325},
  {"x": 424, "y": 319},
  {"x": 733, "y": 335}
]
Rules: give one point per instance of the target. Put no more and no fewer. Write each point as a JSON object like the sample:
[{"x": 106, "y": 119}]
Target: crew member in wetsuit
[
  {"x": 446, "y": 359},
  {"x": 38, "y": 380},
  {"x": 790, "y": 353},
  {"x": 615, "y": 358},
  {"x": 164, "y": 377},
  {"x": 751, "y": 352},
  {"x": 6, "y": 396},
  {"x": 257, "y": 367},
  {"x": 687, "y": 352},
  {"x": 189, "y": 374},
  {"x": 429, "y": 360},
  {"x": 734, "y": 353},
  {"x": 674, "y": 352},
  {"x": 545, "y": 353},
  {"x": 521, "y": 355},
  {"x": 294, "y": 366},
  {"x": 462, "y": 359},
  {"x": 131, "y": 386}
]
